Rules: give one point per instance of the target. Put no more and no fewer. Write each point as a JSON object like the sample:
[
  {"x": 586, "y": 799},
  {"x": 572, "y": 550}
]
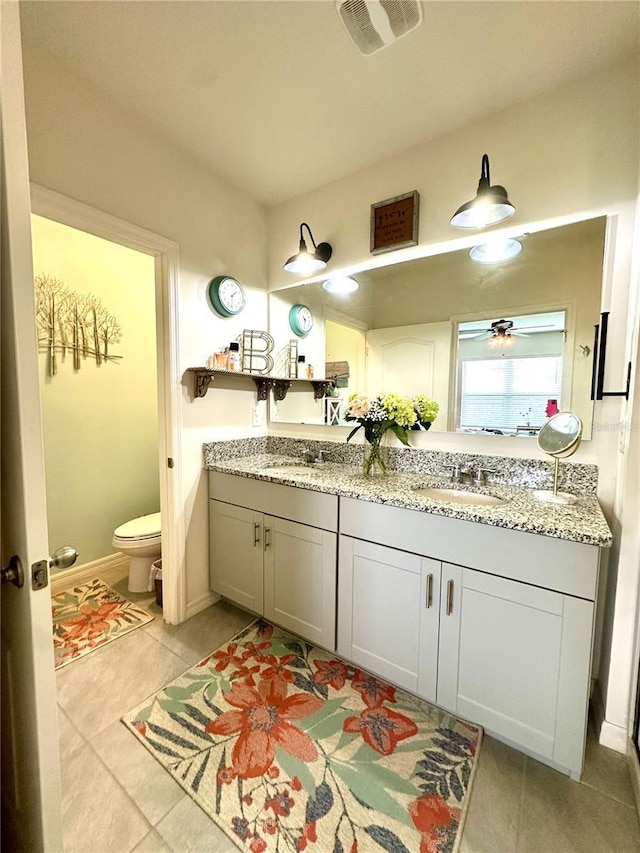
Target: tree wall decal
[{"x": 75, "y": 322}]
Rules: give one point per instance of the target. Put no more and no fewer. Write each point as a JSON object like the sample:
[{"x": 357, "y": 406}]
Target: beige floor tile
[
  {"x": 152, "y": 843},
  {"x": 153, "y": 790},
  {"x": 203, "y": 633},
  {"x": 69, "y": 737},
  {"x": 561, "y": 816},
  {"x": 97, "y": 815},
  {"x": 491, "y": 825},
  {"x": 98, "y": 689},
  {"x": 607, "y": 771},
  {"x": 187, "y": 829}
]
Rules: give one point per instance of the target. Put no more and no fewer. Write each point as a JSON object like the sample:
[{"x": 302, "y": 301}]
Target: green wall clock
[
  {"x": 300, "y": 320},
  {"x": 227, "y": 295}
]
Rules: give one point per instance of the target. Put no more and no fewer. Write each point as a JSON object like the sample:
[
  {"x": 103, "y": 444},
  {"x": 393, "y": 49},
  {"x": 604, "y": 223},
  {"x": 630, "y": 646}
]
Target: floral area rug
[
  {"x": 287, "y": 748},
  {"x": 89, "y": 616}
]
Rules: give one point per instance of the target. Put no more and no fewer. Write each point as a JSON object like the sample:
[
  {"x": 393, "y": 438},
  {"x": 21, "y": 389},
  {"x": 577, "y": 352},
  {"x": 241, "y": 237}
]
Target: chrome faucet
[
  {"x": 458, "y": 474},
  {"x": 312, "y": 456},
  {"x": 480, "y": 477}
]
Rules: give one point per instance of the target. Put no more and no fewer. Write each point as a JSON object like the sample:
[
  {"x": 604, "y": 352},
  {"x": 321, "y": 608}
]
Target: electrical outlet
[{"x": 256, "y": 420}]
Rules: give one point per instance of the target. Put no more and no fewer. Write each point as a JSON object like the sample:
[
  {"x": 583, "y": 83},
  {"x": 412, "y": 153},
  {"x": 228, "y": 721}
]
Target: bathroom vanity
[{"x": 487, "y": 611}]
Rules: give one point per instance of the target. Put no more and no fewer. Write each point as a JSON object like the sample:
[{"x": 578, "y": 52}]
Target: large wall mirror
[{"x": 499, "y": 346}]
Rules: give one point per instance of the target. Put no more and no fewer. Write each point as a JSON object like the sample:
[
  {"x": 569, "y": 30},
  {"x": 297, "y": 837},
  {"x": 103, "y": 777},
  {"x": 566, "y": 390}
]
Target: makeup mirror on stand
[{"x": 560, "y": 438}]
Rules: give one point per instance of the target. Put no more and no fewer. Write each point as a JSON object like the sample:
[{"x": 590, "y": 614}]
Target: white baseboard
[
  {"x": 609, "y": 734},
  {"x": 201, "y": 603},
  {"x": 634, "y": 772},
  {"x": 77, "y": 575}
]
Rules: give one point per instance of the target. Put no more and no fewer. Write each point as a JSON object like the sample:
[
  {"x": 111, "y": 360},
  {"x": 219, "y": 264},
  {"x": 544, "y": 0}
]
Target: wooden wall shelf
[{"x": 203, "y": 377}]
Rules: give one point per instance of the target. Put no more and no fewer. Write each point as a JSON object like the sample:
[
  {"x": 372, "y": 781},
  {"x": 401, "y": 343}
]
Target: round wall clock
[
  {"x": 227, "y": 295},
  {"x": 300, "y": 320}
]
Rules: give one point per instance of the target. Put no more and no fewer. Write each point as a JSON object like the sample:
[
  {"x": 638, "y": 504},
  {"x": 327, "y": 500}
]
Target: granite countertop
[{"x": 580, "y": 522}]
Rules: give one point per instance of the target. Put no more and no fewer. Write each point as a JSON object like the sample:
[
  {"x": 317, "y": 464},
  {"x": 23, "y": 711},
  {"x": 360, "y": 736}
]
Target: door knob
[
  {"x": 14, "y": 573},
  {"x": 63, "y": 557}
]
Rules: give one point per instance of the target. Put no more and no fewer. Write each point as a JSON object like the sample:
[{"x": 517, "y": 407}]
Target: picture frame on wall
[{"x": 394, "y": 223}]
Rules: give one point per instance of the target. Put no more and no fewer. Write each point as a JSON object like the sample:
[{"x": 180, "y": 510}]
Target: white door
[
  {"x": 31, "y": 816},
  {"x": 236, "y": 544},
  {"x": 300, "y": 579},
  {"x": 411, "y": 360},
  {"x": 388, "y": 613}
]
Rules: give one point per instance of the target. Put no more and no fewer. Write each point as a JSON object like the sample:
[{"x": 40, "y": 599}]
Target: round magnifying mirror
[{"x": 560, "y": 438}]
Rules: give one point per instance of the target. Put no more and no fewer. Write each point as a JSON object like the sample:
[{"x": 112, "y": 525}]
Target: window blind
[{"x": 505, "y": 393}]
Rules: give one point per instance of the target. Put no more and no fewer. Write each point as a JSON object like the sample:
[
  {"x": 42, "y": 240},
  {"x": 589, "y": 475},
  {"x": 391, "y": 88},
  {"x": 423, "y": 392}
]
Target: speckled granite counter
[{"x": 582, "y": 522}]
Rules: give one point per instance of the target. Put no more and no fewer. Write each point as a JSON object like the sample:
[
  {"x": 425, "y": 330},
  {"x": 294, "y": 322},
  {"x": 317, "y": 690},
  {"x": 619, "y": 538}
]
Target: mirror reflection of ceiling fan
[{"x": 502, "y": 329}]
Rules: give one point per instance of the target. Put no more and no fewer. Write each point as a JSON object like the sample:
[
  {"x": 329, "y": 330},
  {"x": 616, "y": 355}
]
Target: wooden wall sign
[{"x": 394, "y": 223}]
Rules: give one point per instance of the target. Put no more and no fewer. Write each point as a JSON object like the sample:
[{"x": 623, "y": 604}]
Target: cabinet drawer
[
  {"x": 313, "y": 508},
  {"x": 555, "y": 564}
]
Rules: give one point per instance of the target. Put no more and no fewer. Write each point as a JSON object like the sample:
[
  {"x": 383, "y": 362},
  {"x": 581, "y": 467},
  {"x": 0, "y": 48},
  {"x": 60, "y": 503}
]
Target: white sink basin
[
  {"x": 459, "y": 496},
  {"x": 283, "y": 470}
]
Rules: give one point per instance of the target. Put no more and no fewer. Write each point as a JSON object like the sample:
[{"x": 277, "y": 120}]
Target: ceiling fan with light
[{"x": 501, "y": 332}]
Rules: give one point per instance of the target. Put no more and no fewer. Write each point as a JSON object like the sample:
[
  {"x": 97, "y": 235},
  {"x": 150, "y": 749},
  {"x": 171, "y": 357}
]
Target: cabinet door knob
[
  {"x": 256, "y": 534},
  {"x": 429, "y": 591},
  {"x": 267, "y": 533},
  {"x": 449, "y": 609}
]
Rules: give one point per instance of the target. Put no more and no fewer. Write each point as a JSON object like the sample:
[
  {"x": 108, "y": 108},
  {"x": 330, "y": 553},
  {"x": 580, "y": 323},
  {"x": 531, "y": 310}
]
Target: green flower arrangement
[{"x": 395, "y": 412}]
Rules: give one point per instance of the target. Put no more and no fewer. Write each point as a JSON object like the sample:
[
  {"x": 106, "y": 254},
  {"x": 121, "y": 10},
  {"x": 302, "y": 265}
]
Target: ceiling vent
[{"x": 374, "y": 24}]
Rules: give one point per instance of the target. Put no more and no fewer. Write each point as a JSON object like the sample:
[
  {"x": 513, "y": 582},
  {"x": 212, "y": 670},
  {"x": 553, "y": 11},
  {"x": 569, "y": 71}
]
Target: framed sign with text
[{"x": 394, "y": 223}]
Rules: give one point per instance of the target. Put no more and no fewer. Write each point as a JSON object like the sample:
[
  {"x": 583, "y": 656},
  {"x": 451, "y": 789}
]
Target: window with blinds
[{"x": 506, "y": 393}]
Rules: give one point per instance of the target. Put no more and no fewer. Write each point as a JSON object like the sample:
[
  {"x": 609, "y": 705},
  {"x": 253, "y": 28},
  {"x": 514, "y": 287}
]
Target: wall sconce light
[
  {"x": 496, "y": 251},
  {"x": 489, "y": 207},
  {"x": 340, "y": 286},
  {"x": 307, "y": 262}
]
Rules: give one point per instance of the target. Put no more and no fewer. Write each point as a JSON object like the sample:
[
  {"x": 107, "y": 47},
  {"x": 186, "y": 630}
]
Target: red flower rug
[
  {"x": 89, "y": 616},
  {"x": 287, "y": 748}
]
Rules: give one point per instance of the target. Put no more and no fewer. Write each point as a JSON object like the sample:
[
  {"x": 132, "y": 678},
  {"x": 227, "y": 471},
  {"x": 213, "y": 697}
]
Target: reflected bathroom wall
[{"x": 410, "y": 314}]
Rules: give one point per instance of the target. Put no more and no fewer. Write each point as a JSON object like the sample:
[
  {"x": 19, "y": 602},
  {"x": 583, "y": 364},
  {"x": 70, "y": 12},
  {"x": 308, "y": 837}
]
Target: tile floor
[{"x": 117, "y": 798}]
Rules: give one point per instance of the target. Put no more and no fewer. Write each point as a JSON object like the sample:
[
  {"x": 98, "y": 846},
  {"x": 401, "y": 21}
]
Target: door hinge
[
  {"x": 170, "y": 462},
  {"x": 40, "y": 574}
]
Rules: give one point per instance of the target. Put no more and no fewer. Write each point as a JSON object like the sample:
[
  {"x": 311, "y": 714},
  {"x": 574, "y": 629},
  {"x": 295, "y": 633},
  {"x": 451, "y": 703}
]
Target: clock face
[
  {"x": 301, "y": 320},
  {"x": 227, "y": 295}
]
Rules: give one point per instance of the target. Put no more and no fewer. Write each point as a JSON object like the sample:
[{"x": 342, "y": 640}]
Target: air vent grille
[{"x": 374, "y": 24}]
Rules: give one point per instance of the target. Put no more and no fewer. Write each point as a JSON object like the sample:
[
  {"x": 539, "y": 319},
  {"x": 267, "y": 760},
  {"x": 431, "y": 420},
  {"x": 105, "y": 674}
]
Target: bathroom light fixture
[
  {"x": 342, "y": 285},
  {"x": 309, "y": 262},
  {"x": 496, "y": 251},
  {"x": 489, "y": 207}
]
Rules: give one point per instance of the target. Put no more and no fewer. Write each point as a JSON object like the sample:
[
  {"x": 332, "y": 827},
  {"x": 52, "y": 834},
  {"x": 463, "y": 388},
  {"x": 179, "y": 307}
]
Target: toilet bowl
[{"x": 140, "y": 539}]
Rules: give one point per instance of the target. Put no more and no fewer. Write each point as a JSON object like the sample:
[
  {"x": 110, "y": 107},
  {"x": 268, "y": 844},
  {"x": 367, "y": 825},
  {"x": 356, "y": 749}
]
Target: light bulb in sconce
[
  {"x": 490, "y": 206},
  {"x": 306, "y": 262}
]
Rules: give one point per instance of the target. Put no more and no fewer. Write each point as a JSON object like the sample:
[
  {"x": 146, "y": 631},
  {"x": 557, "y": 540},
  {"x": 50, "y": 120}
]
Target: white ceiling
[{"x": 273, "y": 95}]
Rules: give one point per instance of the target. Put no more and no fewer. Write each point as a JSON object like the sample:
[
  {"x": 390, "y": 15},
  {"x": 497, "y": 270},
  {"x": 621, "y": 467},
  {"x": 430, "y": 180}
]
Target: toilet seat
[{"x": 139, "y": 529}]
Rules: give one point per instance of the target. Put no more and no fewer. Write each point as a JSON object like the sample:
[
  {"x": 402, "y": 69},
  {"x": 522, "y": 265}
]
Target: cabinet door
[
  {"x": 515, "y": 658},
  {"x": 300, "y": 579},
  {"x": 388, "y": 613},
  {"x": 235, "y": 566}
]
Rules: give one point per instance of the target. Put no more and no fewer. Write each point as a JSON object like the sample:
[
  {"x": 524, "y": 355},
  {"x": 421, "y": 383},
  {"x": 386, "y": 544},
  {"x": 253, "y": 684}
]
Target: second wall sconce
[
  {"x": 490, "y": 206},
  {"x": 306, "y": 262}
]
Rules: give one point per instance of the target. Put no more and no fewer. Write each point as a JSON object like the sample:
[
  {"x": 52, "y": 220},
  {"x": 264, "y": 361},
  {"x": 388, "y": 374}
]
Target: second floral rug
[
  {"x": 89, "y": 616},
  {"x": 288, "y": 748}
]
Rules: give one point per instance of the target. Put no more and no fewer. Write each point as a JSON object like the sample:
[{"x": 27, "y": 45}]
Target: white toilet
[{"x": 140, "y": 539}]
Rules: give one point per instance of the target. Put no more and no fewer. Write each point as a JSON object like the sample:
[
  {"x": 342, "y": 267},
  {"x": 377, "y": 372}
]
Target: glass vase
[{"x": 374, "y": 463}]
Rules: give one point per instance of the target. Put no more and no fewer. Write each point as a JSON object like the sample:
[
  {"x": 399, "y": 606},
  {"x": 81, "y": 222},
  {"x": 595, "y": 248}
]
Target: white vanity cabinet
[
  {"x": 509, "y": 646},
  {"x": 273, "y": 551},
  {"x": 389, "y": 611},
  {"x": 236, "y": 556},
  {"x": 516, "y": 659}
]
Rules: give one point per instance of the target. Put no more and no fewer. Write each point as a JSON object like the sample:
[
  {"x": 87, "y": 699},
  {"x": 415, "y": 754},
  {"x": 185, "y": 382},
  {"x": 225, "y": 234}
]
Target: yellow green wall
[{"x": 100, "y": 422}]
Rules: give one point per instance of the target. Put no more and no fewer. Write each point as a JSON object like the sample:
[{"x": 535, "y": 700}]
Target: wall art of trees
[{"x": 74, "y": 323}]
